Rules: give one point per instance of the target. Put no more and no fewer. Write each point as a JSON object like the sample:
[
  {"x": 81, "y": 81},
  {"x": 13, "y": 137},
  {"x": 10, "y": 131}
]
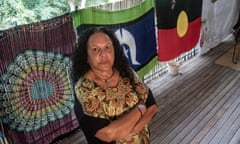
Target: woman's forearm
[
  {"x": 146, "y": 118},
  {"x": 119, "y": 128}
]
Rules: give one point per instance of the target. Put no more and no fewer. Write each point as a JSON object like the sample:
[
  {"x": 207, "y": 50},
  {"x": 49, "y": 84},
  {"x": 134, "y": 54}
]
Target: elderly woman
[{"x": 116, "y": 105}]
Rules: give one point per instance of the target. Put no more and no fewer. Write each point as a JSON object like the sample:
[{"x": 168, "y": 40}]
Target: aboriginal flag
[
  {"x": 179, "y": 23},
  {"x": 134, "y": 27}
]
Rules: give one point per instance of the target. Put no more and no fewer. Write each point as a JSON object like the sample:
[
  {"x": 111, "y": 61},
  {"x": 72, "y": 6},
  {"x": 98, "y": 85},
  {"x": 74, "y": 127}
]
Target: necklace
[{"x": 105, "y": 80}]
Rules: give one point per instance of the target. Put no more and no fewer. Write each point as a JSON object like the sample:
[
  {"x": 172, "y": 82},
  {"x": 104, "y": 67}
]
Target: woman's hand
[
  {"x": 149, "y": 113},
  {"x": 128, "y": 125},
  {"x": 120, "y": 128}
]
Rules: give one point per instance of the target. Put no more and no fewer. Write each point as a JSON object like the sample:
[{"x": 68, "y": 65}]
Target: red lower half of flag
[{"x": 170, "y": 45}]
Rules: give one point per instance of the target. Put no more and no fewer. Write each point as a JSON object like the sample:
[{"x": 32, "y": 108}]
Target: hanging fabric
[{"x": 35, "y": 91}]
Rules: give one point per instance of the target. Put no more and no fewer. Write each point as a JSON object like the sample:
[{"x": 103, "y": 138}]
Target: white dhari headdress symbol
[{"x": 126, "y": 38}]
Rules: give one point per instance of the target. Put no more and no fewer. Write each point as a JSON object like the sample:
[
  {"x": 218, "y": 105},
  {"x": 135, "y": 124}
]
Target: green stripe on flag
[
  {"x": 147, "y": 67},
  {"x": 98, "y": 16}
]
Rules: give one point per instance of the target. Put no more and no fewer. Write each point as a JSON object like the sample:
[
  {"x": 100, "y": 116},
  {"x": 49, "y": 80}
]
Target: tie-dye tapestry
[
  {"x": 134, "y": 27},
  {"x": 36, "y": 93},
  {"x": 179, "y": 24}
]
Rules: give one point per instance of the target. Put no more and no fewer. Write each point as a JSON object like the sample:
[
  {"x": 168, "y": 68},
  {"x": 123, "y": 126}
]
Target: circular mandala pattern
[{"x": 35, "y": 90}]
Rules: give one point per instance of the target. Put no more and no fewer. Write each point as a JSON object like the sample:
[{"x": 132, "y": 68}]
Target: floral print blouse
[{"x": 112, "y": 102}]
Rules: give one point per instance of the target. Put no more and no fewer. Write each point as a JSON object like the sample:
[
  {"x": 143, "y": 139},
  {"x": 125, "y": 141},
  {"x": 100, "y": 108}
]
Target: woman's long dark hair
[{"x": 80, "y": 65}]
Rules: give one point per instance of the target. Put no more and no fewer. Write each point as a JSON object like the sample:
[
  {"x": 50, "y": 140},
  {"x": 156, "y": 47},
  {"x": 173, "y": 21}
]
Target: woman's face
[{"x": 100, "y": 52}]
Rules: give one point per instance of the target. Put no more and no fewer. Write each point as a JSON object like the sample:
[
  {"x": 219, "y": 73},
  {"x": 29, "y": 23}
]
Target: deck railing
[{"x": 161, "y": 68}]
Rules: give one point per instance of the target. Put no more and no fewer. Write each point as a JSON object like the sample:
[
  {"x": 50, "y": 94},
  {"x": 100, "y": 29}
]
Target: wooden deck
[{"x": 199, "y": 106}]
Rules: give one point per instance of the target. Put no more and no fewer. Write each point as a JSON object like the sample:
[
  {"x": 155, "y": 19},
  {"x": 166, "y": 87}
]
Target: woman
[{"x": 116, "y": 105}]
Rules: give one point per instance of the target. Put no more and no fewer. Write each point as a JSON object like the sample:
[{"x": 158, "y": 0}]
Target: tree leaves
[{"x": 19, "y": 12}]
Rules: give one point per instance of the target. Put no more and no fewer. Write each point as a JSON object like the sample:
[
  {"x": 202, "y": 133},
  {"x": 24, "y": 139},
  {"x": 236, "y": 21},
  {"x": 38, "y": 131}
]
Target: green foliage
[
  {"x": 19, "y": 12},
  {"x": 46, "y": 9}
]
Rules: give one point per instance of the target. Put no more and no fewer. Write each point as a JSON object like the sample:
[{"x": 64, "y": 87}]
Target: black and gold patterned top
[{"x": 102, "y": 105}]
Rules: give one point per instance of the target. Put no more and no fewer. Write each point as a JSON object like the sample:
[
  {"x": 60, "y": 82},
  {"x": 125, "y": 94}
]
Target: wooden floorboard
[
  {"x": 222, "y": 103},
  {"x": 186, "y": 116},
  {"x": 201, "y": 105},
  {"x": 193, "y": 106}
]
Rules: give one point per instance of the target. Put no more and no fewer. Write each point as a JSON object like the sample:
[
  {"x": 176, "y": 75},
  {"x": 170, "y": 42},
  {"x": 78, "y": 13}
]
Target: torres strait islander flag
[
  {"x": 134, "y": 27},
  {"x": 179, "y": 23}
]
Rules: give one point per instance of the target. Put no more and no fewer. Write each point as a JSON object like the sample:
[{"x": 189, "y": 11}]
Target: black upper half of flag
[{"x": 168, "y": 11}]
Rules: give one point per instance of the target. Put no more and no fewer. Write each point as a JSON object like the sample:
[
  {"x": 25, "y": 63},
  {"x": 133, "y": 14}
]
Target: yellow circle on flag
[{"x": 182, "y": 24}]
